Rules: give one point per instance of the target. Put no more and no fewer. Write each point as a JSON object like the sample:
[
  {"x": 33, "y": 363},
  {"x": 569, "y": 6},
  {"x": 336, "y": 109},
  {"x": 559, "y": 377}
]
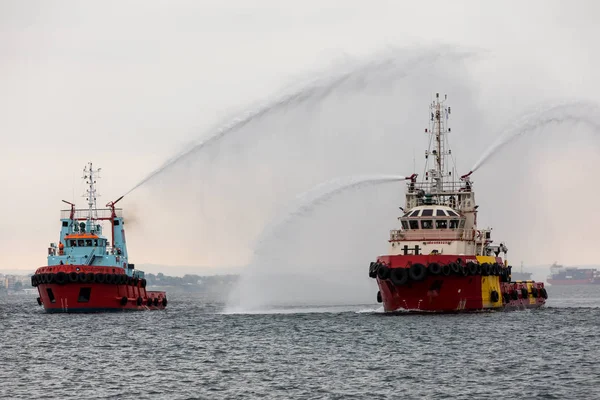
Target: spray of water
[
  {"x": 309, "y": 200},
  {"x": 584, "y": 112},
  {"x": 386, "y": 68},
  {"x": 269, "y": 282}
]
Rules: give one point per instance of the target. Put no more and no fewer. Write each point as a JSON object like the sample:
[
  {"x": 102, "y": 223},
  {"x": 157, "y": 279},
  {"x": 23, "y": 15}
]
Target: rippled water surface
[{"x": 193, "y": 350}]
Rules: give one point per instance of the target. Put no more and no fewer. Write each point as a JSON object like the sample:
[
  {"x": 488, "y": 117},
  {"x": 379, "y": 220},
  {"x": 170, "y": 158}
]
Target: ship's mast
[
  {"x": 90, "y": 175},
  {"x": 438, "y": 147}
]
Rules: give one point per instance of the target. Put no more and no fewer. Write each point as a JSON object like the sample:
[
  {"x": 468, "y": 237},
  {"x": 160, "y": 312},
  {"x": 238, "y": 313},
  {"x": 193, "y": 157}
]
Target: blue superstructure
[{"x": 81, "y": 240}]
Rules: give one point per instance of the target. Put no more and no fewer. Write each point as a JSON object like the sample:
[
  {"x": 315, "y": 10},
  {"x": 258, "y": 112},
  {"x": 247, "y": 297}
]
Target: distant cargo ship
[
  {"x": 520, "y": 276},
  {"x": 561, "y": 275}
]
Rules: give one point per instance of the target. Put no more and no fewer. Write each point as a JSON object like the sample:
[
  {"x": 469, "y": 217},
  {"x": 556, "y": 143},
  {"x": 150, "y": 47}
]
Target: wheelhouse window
[
  {"x": 441, "y": 223},
  {"x": 414, "y": 224},
  {"x": 426, "y": 224},
  {"x": 462, "y": 224},
  {"x": 404, "y": 224},
  {"x": 80, "y": 243},
  {"x": 414, "y": 213},
  {"x": 88, "y": 242},
  {"x": 440, "y": 213},
  {"x": 453, "y": 224},
  {"x": 453, "y": 214},
  {"x": 428, "y": 212},
  {"x": 72, "y": 243}
]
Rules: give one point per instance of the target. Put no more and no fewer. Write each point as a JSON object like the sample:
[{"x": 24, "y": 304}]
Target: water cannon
[
  {"x": 72, "y": 214},
  {"x": 111, "y": 204},
  {"x": 412, "y": 178},
  {"x": 466, "y": 176}
]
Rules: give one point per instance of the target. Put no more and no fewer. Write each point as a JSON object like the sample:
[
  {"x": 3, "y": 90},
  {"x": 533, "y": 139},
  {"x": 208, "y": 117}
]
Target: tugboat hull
[
  {"x": 439, "y": 288},
  {"x": 81, "y": 289}
]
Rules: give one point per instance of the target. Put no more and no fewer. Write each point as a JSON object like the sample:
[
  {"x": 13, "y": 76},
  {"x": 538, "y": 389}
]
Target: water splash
[
  {"x": 309, "y": 200},
  {"x": 267, "y": 283},
  {"x": 585, "y": 112},
  {"x": 386, "y": 68}
]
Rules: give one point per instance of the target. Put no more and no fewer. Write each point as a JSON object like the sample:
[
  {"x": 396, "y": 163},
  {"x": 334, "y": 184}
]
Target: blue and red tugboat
[
  {"x": 88, "y": 273},
  {"x": 439, "y": 260}
]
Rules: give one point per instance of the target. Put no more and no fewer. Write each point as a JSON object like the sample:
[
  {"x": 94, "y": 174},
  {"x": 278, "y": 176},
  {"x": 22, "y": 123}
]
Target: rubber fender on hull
[
  {"x": 454, "y": 268},
  {"x": 544, "y": 293},
  {"x": 149, "y": 301},
  {"x": 164, "y": 302},
  {"x": 515, "y": 295},
  {"x": 123, "y": 301},
  {"x": 139, "y": 301},
  {"x": 82, "y": 277},
  {"x": 90, "y": 277},
  {"x": 383, "y": 272},
  {"x": 435, "y": 269},
  {"x": 143, "y": 283},
  {"x": 372, "y": 271},
  {"x": 446, "y": 270},
  {"x": 399, "y": 276},
  {"x": 156, "y": 301},
  {"x": 472, "y": 267},
  {"x": 61, "y": 278},
  {"x": 417, "y": 272},
  {"x": 100, "y": 278},
  {"x": 73, "y": 277},
  {"x": 379, "y": 299},
  {"x": 494, "y": 297},
  {"x": 495, "y": 270},
  {"x": 534, "y": 292},
  {"x": 485, "y": 269},
  {"x": 524, "y": 293},
  {"x": 39, "y": 301},
  {"x": 49, "y": 278}
]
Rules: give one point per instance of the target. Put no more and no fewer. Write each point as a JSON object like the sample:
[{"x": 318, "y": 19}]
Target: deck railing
[
  {"x": 432, "y": 234},
  {"x": 82, "y": 214}
]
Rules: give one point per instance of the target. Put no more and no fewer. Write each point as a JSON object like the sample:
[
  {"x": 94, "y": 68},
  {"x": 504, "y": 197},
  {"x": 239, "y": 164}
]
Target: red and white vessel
[
  {"x": 88, "y": 273},
  {"x": 438, "y": 259}
]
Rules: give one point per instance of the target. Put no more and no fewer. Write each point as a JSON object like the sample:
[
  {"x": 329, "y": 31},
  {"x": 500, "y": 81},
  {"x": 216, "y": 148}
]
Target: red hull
[
  {"x": 117, "y": 293},
  {"x": 455, "y": 291}
]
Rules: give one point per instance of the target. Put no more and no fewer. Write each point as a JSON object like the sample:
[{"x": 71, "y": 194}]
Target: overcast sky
[{"x": 127, "y": 84}]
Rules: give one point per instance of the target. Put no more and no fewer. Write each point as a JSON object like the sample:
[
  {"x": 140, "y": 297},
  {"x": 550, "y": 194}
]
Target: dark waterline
[{"x": 193, "y": 351}]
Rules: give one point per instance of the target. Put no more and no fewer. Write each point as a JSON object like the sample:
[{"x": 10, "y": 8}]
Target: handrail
[
  {"x": 432, "y": 234},
  {"x": 82, "y": 214}
]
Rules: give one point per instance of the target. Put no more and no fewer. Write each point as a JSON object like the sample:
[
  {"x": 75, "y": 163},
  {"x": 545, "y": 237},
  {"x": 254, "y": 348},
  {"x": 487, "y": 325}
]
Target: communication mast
[
  {"x": 90, "y": 175},
  {"x": 438, "y": 145}
]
